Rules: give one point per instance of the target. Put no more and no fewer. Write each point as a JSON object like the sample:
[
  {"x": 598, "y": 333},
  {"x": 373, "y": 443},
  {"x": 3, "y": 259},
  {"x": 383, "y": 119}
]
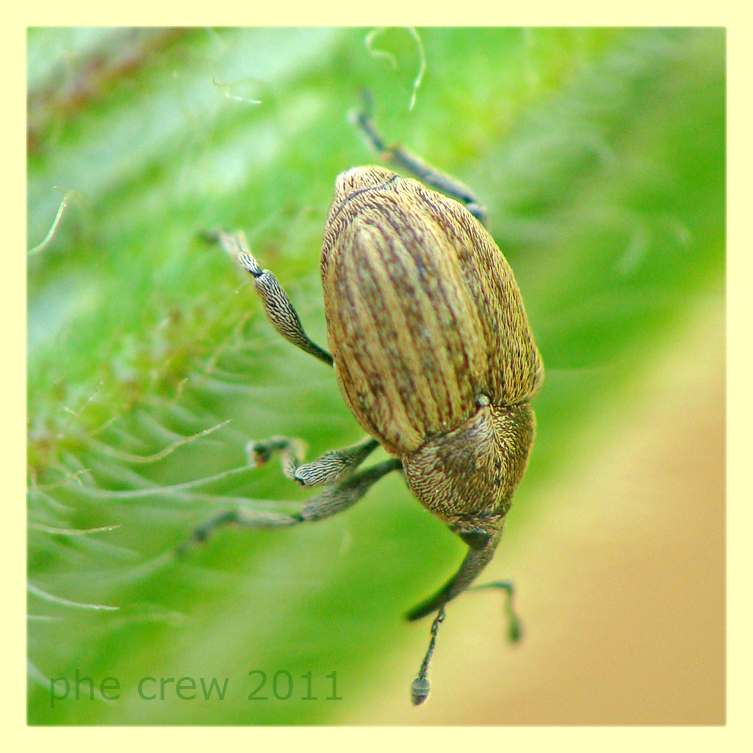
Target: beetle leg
[
  {"x": 329, "y": 502},
  {"x": 347, "y": 492},
  {"x": 260, "y": 452},
  {"x": 330, "y": 467},
  {"x": 333, "y": 465},
  {"x": 400, "y": 156},
  {"x": 277, "y": 305}
]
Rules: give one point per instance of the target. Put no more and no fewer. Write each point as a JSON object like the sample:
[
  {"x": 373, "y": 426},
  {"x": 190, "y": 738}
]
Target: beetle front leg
[
  {"x": 329, "y": 502},
  {"x": 400, "y": 156},
  {"x": 277, "y": 305}
]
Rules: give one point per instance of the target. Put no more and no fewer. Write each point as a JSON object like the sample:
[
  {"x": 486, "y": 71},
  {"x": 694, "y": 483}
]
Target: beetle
[{"x": 433, "y": 354}]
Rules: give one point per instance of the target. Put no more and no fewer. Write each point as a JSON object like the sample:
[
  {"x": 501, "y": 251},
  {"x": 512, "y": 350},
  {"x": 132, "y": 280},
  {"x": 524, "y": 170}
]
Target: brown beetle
[{"x": 433, "y": 354}]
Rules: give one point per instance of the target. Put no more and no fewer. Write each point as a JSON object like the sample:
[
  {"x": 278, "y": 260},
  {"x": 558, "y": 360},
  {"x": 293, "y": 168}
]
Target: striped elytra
[{"x": 431, "y": 345}]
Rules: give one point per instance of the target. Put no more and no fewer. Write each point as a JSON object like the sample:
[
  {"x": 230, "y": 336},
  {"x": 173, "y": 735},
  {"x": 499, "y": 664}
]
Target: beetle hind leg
[
  {"x": 277, "y": 306},
  {"x": 401, "y": 157}
]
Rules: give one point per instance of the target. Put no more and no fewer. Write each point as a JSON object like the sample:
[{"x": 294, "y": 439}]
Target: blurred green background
[{"x": 600, "y": 155}]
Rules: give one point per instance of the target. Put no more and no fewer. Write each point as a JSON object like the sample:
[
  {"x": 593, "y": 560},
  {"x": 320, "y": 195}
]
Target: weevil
[{"x": 433, "y": 355}]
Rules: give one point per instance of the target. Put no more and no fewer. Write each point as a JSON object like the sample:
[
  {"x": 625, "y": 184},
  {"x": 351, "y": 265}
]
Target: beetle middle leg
[
  {"x": 330, "y": 467},
  {"x": 400, "y": 156},
  {"x": 330, "y": 501}
]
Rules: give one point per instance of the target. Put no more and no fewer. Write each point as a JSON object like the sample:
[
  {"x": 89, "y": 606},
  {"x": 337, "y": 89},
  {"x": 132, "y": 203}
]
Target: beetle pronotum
[{"x": 433, "y": 355}]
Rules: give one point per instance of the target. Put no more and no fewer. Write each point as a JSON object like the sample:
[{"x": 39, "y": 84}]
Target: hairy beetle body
[
  {"x": 433, "y": 355},
  {"x": 430, "y": 341}
]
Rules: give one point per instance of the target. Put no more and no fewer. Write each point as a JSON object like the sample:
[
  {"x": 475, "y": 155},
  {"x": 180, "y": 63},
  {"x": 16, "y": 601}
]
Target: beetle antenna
[
  {"x": 515, "y": 629},
  {"x": 419, "y": 690}
]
